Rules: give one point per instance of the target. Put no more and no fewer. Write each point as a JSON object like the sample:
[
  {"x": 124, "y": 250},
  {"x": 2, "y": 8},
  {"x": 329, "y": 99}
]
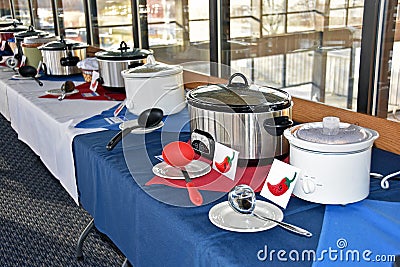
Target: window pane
[
  {"x": 22, "y": 11},
  {"x": 43, "y": 15},
  {"x": 179, "y": 33},
  {"x": 301, "y": 22},
  {"x": 273, "y": 24},
  {"x": 111, "y": 37},
  {"x": 114, "y": 12},
  {"x": 337, "y": 18},
  {"x": 5, "y": 10},
  {"x": 300, "y": 5},
  {"x": 114, "y": 19},
  {"x": 273, "y": 7},
  {"x": 307, "y": 50},
  {"x": 244, "y": 27},
  {"x": 394, "y": 90}
]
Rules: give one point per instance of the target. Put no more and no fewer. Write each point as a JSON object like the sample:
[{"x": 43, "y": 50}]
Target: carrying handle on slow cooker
[
  {"x": 123, "y": 47},
  {"x": 277, "y": 125},
  {"x": 30, "y": 29},
  {"x": 230, "y": 84}
]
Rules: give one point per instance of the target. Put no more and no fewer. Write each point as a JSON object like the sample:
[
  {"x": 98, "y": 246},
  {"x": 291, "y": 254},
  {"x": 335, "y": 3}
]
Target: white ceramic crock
[
  {"x": 154, "y": 85},
  {"x": 336, "y": 165}
]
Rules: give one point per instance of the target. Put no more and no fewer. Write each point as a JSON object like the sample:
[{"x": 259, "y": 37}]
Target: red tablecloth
[
  {"x": 85, "y": 88},
  {"x": 215, "y": 181}
]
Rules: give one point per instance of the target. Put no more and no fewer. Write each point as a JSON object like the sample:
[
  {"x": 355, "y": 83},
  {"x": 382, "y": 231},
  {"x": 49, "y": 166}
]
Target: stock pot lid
[
  {"x": 239, "y": 97},
  {"x": 332, "y": 131},
  {"x": 62, "y": 44},
  {"x": 30, "y": 32},
  {"x": 123, "y": 53},
  {"x": 152, "y": 69},
  {"x": 14, "y": 28},
  {"x": 40, "y": 39}
]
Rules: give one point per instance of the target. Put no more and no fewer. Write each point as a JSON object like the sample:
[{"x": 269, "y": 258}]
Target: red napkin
[
  {"x": 85, "y": 88},
  {"x": 215, "y": 181}
]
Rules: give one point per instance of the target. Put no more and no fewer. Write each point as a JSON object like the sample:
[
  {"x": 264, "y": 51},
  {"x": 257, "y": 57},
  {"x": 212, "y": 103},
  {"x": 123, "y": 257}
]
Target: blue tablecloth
[{"x": 152, "y": 233}]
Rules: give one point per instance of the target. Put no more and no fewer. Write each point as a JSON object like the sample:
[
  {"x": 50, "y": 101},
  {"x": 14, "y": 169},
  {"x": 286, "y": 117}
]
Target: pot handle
[
  {"x": 230, "y": 84},
  {"x": 277, "y": 125},
  {"x": 44, "y": 68}
]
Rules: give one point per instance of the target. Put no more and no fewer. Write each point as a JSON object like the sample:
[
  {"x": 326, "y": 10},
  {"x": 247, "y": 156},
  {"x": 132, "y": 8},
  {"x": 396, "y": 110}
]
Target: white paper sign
[
  {"x": 95, "y": 81},
  {"x": 280, "y": 182},
  {"x": 225, "y": 160}
]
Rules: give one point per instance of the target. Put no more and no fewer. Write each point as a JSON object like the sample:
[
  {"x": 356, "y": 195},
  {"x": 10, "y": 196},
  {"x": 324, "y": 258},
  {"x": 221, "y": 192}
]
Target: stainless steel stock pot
[
  {"x": 111, "y": 63},
  {"x": 60, "y": 57},
  {"x": 249, "y": 119}
]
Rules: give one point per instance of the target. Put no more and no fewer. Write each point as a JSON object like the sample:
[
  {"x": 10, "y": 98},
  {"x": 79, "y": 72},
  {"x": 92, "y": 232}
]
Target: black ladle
[
  {"x": 29, "y": 71},
  {"x": 147, "y": 119}
]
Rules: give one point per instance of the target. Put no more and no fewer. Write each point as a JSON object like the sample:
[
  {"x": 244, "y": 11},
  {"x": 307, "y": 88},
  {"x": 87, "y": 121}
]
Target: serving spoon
[
  {"x": 147, "y": 119},
  {"x": 242, "y": 200},
  {"x": 179, "y": 154}
]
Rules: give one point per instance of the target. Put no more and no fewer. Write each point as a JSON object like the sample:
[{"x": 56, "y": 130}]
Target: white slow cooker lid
[
  {"x": 152, "y": 69},
  {"x": 331, "y": 135}
]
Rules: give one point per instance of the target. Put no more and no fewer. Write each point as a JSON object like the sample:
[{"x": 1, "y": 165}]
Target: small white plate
[
  {"x": 196, "y": 168},
  {"x": 224, "y": 217},
  {"x": 139, "y": 130},
  {"x": 19, "y": 77},
  {"x": 58, "y": 92}
]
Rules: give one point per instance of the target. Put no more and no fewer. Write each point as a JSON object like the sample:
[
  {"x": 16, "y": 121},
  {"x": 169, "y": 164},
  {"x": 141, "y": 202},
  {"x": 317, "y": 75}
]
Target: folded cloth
[
  {"x": 360, "y": 234},
  {"x": 178, "y": 122},
  {"x": 86, "y": 93},
  {"x": 254, "y": 176}
]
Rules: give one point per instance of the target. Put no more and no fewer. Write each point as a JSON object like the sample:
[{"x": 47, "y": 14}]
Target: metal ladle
[
  {"x": 242, "y": 200},
  {"x": 66, "y": 87},
  {"x": 148, "y": 118}
]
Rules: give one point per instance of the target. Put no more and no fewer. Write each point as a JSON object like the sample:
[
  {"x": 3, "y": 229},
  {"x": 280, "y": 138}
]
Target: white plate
[
  {"x": 223, "y": 216},
  {"x": 196, "y": 168},
  {"x": 19, "y": 77},
  {"x": 58, "y": 92},
  {"x": 139, "y": 130}
]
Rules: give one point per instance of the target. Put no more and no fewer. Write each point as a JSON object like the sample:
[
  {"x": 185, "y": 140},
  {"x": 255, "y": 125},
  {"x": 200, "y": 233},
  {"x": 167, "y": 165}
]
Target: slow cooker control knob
[{"x": 308, "y": 186}]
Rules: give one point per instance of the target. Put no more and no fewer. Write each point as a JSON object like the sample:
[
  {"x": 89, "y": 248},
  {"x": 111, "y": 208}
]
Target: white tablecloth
[{"x": 47, "y": 125}]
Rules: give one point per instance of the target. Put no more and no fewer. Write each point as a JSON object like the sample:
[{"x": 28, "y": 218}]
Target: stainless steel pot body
[
  {"x": 110, "y": 71},
  {"x": 52, "y": 61},
  {"x": 252, "y": 134}
]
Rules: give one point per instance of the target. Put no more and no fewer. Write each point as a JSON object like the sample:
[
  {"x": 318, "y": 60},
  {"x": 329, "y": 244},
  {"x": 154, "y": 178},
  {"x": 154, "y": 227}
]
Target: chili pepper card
[
  {"x": 95, "y": 81},
  {"x": 280, "y": 182},
  {"x": 225, "y": 160}
]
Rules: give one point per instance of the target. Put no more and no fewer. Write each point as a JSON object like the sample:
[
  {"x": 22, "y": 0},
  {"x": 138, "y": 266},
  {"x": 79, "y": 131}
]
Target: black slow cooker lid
[
  {"x": 63, "y": 44},
  {"x": 14, "y": 28},
  {"x": 30, "y": 32},
  {"x": 239, "y": 97},
  {"x": 123, "y": 53}
]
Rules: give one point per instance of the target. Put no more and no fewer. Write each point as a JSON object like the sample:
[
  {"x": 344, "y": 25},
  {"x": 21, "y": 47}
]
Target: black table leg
[
  {"x": 84, "y": 234},
  {"x": 126, "y": 263}
]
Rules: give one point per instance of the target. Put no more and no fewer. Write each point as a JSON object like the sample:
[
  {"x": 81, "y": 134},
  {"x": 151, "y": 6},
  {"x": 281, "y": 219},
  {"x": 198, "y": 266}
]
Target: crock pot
[
  {"x": 60, "y": 57},
  {"x": 334, "y": 158},
  {"x": 111, "y": 63},
  {"x": 155, "y": 85},
  {"x": 10, "y": 46},
  {"x": 249, "y": 119},
  {"x": 30, "y": 47}
]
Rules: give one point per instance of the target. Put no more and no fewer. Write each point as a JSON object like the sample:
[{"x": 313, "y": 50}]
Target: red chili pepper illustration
[
  {"x": 226, "y": 164},
  {"x": 283, "y": 186}
]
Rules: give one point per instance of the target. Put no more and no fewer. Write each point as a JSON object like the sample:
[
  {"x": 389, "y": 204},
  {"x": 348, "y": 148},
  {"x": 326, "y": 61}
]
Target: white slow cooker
[
  {"x": 334, "y": 159},
  {"x": 154, "y": 85}
]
